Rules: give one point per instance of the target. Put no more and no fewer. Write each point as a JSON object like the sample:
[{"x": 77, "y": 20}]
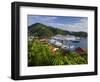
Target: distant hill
[{"x": 41, "y": 30}]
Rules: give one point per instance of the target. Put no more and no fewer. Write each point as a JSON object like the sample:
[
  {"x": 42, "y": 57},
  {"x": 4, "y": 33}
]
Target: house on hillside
[
  {"x": 79, "y": 50},
  {"x": 30, "y": 38},
  {"x": 44, "y": 40}
]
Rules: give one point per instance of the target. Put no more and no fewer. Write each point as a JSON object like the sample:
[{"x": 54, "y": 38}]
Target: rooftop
[{"x": 62, "y": 37}]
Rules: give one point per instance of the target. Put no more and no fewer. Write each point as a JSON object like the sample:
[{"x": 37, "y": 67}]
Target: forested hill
[{"x": 41, "y": 30}]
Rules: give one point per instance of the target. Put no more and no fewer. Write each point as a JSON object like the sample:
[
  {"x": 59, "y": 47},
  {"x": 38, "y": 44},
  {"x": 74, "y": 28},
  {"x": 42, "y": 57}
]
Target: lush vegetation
[
  {"x": 41, "y": 30},
  {"x": 39, "y": 54}
]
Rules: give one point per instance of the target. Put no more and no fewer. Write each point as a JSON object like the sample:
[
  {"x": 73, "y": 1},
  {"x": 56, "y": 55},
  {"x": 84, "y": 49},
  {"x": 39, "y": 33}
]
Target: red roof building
[{"x": 79, "y": 50}]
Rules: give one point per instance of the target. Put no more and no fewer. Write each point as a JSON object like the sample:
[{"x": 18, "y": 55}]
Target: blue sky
[{"x": 62, "y": 22}]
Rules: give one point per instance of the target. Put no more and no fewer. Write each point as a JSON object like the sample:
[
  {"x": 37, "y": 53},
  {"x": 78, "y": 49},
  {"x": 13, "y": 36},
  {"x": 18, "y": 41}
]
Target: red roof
[{"x": 79, "y": 50}]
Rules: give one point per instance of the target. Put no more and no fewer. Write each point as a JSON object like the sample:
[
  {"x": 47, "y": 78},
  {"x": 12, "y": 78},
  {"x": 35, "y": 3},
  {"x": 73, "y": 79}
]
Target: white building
[
  {"x": 30, "y": 38},
  {"x": 68, "y": 42}
]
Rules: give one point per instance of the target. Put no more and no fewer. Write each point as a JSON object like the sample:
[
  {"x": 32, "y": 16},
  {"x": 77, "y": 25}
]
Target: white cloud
[{"x": 80, "y": 26}]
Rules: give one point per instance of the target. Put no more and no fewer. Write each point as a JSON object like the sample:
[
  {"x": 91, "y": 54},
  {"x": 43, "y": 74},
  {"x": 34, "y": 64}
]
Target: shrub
[{"x": 39, "y": 54}]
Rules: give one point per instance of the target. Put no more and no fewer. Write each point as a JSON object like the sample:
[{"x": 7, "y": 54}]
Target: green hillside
[{"x": 41, "y": 30}]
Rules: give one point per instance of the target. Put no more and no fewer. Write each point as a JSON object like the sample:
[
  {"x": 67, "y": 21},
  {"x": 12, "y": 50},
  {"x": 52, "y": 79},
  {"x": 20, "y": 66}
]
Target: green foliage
[
  {"x": 58, "y": 58},
  {"x": 79, "y": 34},
  {"x": 41, "y": 30},
  {"x": 39, "y": 54}
]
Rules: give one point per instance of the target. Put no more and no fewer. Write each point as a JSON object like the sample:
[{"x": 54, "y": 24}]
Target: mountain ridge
[{"x": 42, "y": 30}]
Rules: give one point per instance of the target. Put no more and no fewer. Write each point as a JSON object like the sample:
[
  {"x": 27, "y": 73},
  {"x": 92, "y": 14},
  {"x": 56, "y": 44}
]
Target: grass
[{"x": 40, "y": 54}]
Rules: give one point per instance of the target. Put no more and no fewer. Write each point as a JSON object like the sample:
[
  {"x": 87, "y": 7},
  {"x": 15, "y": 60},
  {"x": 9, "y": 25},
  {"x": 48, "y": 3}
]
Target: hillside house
[{"x": 30, "y": 38}]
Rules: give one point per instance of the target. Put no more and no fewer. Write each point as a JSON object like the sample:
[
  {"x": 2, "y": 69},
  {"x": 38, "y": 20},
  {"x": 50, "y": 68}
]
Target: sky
[{"x": 62, "y": 22}]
